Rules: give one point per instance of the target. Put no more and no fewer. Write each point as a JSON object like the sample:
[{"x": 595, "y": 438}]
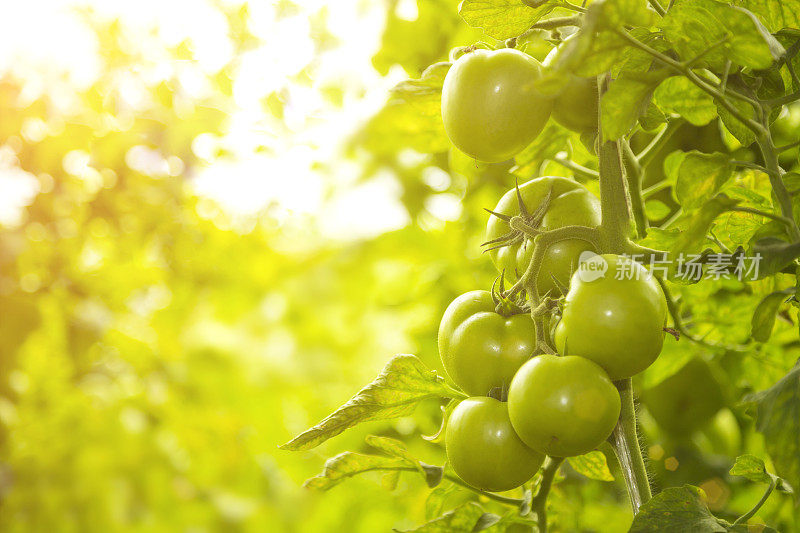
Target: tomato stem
[
  {"x": 626, "y": 445},
  {"x": 539, "y": 502}
]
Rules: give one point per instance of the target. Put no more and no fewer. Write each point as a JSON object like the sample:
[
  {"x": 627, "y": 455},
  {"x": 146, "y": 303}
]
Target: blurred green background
[{"x": 214, "y": 230}]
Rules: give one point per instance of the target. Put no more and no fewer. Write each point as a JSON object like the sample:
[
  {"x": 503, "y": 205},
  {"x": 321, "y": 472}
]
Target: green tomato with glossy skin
[
  {"x": 563, "y": 406},
  {"x": 575, "y": 107},
  {"x": 617, "y": 323},
  {"x": 687, "y": 400},
  {"x": 490, "y": 108},
  {"x": 483, "y": 448},
  {"x": 480, "y": 348},
  {"x": 570, "y": 204}
]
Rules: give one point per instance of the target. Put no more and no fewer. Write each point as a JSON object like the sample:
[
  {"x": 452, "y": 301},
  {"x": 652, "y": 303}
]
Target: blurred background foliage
[{"x": 214, "y": 229}]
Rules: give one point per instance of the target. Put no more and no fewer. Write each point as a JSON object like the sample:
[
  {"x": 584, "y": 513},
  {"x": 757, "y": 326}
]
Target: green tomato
[
  {"x": 570, "y": 204},
  {"x": 575, "y": 107},
  {"x": 480, "y": 348},
  {"x": 687, "y": 400},
  {"x": 617, "y": 323},
  {"x": 483, "y": 448},
  {"x": 562, "y": 406},
  {"x": 723, "y": 434},
  {"x": 490, "y": 108}
]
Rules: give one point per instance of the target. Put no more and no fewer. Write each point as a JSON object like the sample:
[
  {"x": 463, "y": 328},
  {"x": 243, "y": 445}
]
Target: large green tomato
[
  {"x": 480, "y": 348},
  {"x": 570, "y": 204},
  {"x": 617, "y": 323},
  {"x": 490, "y": 108},
  {"x": 562, "y": 406},
  {"x": 483, "y": 448},
  {"x": 687, "y": 400},
  {"x": 575, "y": 107}
]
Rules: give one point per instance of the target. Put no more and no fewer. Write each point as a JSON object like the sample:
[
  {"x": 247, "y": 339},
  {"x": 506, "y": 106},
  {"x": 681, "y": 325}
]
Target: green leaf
[
  {"x": 437, "y": 499},
  {"x": 676, "y": 509},
  {"x": 679, "y": 95},
  {"x": 502, "y": 19},
  {"x": 775, "y": 15},
  {"x": 775, "y": 254},
  {"x": 626, "y": 100},
  {"x": 412, "y": 117},
  {"x": 462, "y": 519},
  {"x": 656, "y": 209},
  {"x": 765, "y": 314},
  {"x": 393, "y": 448},
  {"x": 751, "y": 467},
  {"x": 592, "y": 465},
  {"x": 738, "y": 129},
  {"x": 550, "y": 142},
  {"x": 777, "y": 416},
  {"x": 349, "y": 464},
  {"x": 701, "y": 176},
  {"x": 403, "y": 383},
  {"x": 695, "y": 26}
]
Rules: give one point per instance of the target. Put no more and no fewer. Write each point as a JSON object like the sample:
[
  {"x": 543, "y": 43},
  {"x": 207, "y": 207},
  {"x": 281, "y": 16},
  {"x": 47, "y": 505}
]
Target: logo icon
[{"x": 591, "y": 266}]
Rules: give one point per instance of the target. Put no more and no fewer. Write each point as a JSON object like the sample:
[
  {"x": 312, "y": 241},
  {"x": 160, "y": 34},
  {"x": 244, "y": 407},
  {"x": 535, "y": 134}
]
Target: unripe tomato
[
  {"x": 483, "y": 448},
  {"x": 490, "y": 108},
  {"x": 570, "y": 204},
  {"x": 575, "y": 107},
  {"x": 562, "y": 406},
  {"x": 687, "y": 400},
  {"x": 617, "y": 323},
  {"x": 480, "y": 348}
]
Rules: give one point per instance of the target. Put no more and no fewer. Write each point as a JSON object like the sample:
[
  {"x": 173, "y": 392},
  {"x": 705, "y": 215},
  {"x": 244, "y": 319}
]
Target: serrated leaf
[
  {"x": 592, "y": 465},
  {"x": 394, "y": 448},
  {"x": 701, "y": 176},
  {"x": 679, "y": 95},
  {"x": 404, "y": 382},
  {"x": 751, "y": 467},
  {"x": 765, "y": 314},
  {"x": 774, "y": 15},
  {"x": 549, "y": 143},
  {"x": 676, "y": 509},
  {"x": 462, "y": 519},
  {"x": 502, "y": 19},
  {"x": 694, "y": 26},
  {"x": 775, "y": 255},
  {"x": 627, "y": 98},
  {"x": 777, "y": 416},
  {"x": 412, "y": 117},
  {"x": 349, "y": 464},
  {"x": 437, "y": 499},
  {"x": 738, "y": 129},
  {"x": 486, "y": 521}
]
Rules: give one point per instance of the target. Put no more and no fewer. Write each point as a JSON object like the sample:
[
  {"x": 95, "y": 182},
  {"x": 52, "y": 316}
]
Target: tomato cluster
[{"x": 525, "y": 401}]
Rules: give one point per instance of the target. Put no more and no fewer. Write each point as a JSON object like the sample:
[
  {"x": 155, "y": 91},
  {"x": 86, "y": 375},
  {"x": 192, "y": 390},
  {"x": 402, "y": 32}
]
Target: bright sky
[{"x": 40, "y": 40}]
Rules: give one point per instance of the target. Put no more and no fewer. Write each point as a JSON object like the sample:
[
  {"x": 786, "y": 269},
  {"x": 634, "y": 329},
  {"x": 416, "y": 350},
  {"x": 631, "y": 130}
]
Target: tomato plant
[
  {"x": 563, "y": 406},
  {"x": 666, "y": 249},
  {"x": 480, "y": 348},
  {"x": 483, "y": 448},
  {"x": 617, "y": 323},
  {"x": 490, "y": 107}
]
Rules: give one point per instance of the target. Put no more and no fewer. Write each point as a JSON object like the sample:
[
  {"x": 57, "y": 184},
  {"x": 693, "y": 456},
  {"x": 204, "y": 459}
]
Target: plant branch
[
  {"x": 659, "y": 141},
  {"x": 653, "y": 189},
  {"x": 775, "y": 174},
  {"x": 704, "y": 85},
  {"x": 496, "y": 497},
  {"x": 633, "y": 173},
  {"x": 783, "y": 220},
  {"x": 556, "y": 22},
  {"x": 658, "y": 8},
  {"x": 751, "y": 513},
  {"x": 539, "y": 502},
  {"x": 579, "y": 170},
  {"x": 626, "y": 445}
]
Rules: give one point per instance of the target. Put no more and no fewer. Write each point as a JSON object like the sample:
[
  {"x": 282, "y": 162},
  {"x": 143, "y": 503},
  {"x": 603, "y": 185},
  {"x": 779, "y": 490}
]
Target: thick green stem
[
  {"x": 539, "y": 502},
  {"x": 775, "y": 174},
  {"x": 614, "y": 205},
  {"x": 626, "y": 444}
]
